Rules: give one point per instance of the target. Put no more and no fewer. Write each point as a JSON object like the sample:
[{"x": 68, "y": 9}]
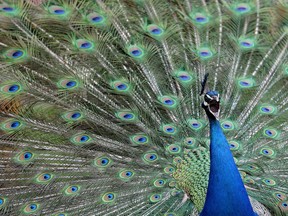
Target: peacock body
[{"x": 101, "y": 113}]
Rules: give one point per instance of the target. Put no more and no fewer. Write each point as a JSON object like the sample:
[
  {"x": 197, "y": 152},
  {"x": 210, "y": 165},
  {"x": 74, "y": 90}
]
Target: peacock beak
[{"x": 212, "y": 104}]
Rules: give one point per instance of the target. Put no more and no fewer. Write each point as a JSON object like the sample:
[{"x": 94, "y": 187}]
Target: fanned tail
[{"x": 100, "y": 106}]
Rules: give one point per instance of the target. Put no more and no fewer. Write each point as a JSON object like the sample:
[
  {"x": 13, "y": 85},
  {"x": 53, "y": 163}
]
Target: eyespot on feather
[
  {"x": 127, "y": 116},
  {"x": 228, "y": 125},
  {"x": 31, "y": 208},
  {"x": 84, "y": 45},
  {"x": 9, "y": 9},
  {"x": 44, "y": 178},
  {"x": 280, "y": 196},
  {"x": 246, "y": 43},
  {"x": 108, "y": 197},
  {"x": 169, "y": 129},
  {"x": 267, "y": 109},
  {"x": 150, "y": 157},
  {"x": 81, "y": 138},
  {"x": 246, "y": 83},
  {"x": 249, "y": 180},
  {"x": 11, "y": 125},
  {"x": 168, "y": 101},
  {"x": 154, "y": 30},
  {"x": 174, "y": 149},
  {"x": 271, "y": 133},
  {"x": 11, "y": 89},
  {"x": 58, "y": 10},
  {"x": 136, "y": 52},
  {"x": 189, "y": 142},
  {"x": 268, "y": 152},
  {"x": 3, "y": 202},
  {"x": 72, "y": 189},
  {"x": 200, "y": 18},
  {"x": 195, "y": 124},
  {"x": 139, "y": 139},
  {"x": 159, "y": 183},
  {"x": 126, "y": 175},
  {"x": 283, "y": 206},
  {"x": 184, "y": 77},
  {"x": 24, "y": 157},
  {"x": 68, "y": 84},
  {"x": 169, "y": 169},
  {"x": 177, "y": 160},
  {"x": 269, "y": 182},
  {"x": 102, "y": 162},
  {"x": 96, "y": 19},
  {"x": 205, "y": 53},
  {"x": 155, "y": 198},
  {"x": 121, "y": 86},
  {"x": 241, "y": 8},
  {"x": 72, "y": 116},
  {"x": 234, "y": 146},
  {"x": 15, "y": 54}
]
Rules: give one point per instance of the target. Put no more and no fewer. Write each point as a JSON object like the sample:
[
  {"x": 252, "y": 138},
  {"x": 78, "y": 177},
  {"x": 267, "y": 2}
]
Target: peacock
[{"x": 144, "y": 107}]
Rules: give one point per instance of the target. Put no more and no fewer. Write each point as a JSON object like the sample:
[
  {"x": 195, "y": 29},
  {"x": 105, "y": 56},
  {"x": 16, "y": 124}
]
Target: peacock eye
[
  {"x": 269, "y": 182},
  {"x": 155, "y": 198},
  {"x": 72, "y": 190},
  {"x": 72, "y": 116},
  {"x": 201, "y": 19},
  {"x": 120, "y": 86},
  {"x": 57, "y": 10},
  {"x": 246, "y": 83},
  {"x": 139, "y": 139},
  {"x": 3, "y": 202},
  {"x": 7, "y": 9},
  {"x": 169, "y": 170},
  {"x": 83, "y": 44},
  {"x": 31, "y": 208},
  {"x": 126, "y": 175},
  {"x": 155, "y": 30},
  {"x": 11, "y": 89},
  {"x": 150, "y": 157},
  {"x": 11, "y": 125},
  {"x": 126, "y": 116},
  {"x": 108, "y": 197},
  {"x": 159, "y": 183},
  {"x": 174, "y": 149},
  {"x": 136, "y": 52},
  {"x": 242, "y": 8},
  {"x": 271, "y": 133},
  {"x": 68, "y": 84},
  {"x": 102, "y": 162},
  {"x": 177, "y": 160},
  {"x": 204, "y": 53},
  {"x": 168, "y": 101},
  {"x": 96, "y": 19},
  {"x": 195, "y": 124},
  {"x": 44, "y": 178},
  {"x": 81, "y": 139},
  {"x": 169, "y": 129}
]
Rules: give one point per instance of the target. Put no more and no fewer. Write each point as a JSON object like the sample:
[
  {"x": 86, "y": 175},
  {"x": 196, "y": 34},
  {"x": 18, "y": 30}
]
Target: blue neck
[{"x": 226, "y": 194}]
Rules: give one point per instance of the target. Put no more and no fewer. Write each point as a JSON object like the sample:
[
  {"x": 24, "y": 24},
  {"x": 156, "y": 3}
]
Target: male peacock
[{"x": 101, "y": 113}]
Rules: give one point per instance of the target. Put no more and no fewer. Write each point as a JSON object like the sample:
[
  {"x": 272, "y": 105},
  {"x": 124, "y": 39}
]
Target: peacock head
[{"x": 211, "y": 104}]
